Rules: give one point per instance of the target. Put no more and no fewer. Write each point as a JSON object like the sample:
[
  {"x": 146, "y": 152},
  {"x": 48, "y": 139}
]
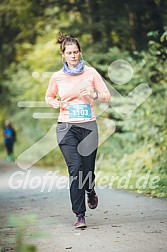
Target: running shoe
[
  {"x": 92, "y": 199},
  {"x": 80, "y": 222}
]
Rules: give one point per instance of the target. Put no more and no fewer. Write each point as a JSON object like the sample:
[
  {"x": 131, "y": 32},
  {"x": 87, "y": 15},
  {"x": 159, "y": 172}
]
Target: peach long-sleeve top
[{"x": 76, "y": 108}]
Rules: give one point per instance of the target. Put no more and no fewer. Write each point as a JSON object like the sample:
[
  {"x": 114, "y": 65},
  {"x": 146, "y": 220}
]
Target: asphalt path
[{"x": 122, "y": 222}]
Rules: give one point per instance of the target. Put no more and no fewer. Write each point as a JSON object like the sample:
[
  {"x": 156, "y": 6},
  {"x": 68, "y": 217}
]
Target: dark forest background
[{"x": 133, "y": 30}]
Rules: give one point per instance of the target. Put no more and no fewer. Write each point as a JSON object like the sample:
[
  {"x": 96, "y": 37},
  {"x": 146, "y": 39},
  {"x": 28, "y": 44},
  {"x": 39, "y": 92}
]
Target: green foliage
[
  {"x": 142, "y": 138},
  {"x": 22, "y": 224}
]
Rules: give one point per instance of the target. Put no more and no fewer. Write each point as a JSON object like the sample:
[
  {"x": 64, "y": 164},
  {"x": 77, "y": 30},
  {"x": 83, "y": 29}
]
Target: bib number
[{"x": 80, "y": 111}]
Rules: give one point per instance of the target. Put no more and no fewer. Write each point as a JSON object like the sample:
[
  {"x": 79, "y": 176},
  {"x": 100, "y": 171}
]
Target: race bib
[{"x": 80, "y": 111}]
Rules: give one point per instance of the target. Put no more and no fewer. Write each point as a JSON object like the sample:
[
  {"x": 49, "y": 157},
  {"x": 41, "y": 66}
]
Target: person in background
[
  {"x": 74, "y": 89},
  {"x": 9, "y": 135}
]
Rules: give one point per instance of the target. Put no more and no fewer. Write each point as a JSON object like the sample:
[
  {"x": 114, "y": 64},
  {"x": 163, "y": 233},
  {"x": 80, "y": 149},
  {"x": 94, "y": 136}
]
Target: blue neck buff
[{"x": 74, "y": 71}]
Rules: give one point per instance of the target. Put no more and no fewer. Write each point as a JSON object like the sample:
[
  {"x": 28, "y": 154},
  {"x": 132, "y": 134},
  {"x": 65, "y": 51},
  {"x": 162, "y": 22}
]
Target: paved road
[{"x": 123, "y": 221}]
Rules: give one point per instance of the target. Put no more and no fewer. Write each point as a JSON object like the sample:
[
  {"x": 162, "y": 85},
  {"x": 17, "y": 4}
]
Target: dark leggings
[
  {"x": 9, "y": 146},
  {"x": 78, "y": 143}
]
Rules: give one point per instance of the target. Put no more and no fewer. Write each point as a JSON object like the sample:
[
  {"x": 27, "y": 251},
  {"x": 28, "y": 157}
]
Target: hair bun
[{"x": 61, "y": 38}]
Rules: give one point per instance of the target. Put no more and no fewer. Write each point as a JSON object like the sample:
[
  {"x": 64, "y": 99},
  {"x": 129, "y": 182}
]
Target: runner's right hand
[
  {"x": 56, "y": 104},
  {"x": 59, "y": 104}
]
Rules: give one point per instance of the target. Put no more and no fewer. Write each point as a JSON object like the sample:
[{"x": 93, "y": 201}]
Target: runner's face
[{"x": 72, "y": 55}]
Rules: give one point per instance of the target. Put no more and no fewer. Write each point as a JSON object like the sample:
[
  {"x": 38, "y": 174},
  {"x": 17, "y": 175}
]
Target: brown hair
[{"x": 65, "y": 40}]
